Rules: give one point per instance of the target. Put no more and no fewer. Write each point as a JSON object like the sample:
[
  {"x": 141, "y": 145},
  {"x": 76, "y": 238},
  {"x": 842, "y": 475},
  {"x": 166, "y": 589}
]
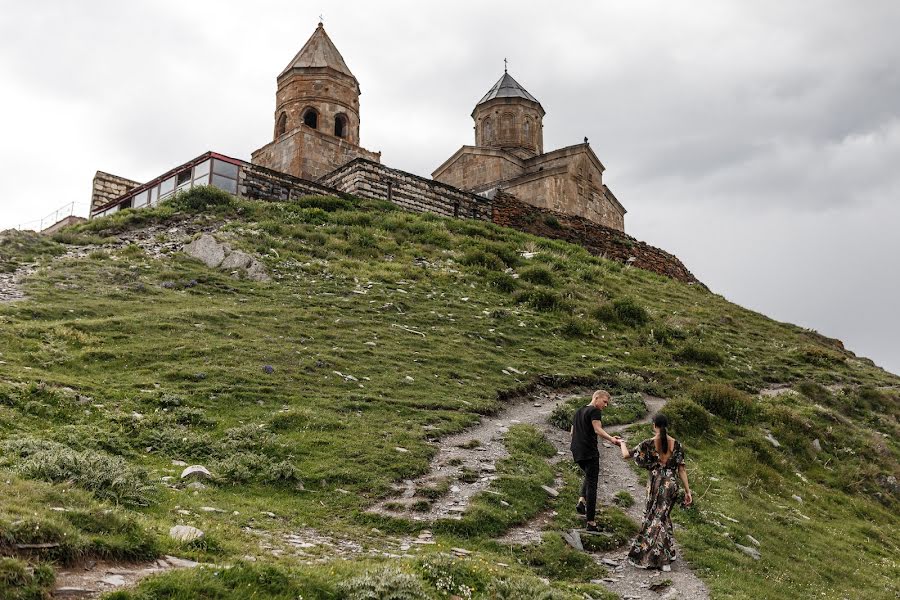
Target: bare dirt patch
[{"x": 90, "y": 579}]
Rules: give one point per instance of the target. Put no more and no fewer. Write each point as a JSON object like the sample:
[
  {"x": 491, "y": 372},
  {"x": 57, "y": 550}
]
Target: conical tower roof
[
  {"x": 507, "y": 87},
  {"x": 319, "y": 52}
]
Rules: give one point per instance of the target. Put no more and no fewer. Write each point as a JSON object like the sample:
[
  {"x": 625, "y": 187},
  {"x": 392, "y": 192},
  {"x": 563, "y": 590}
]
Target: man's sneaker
[
  {"x": 592, "y": 527},
  {"x": 581, "y": 508}
]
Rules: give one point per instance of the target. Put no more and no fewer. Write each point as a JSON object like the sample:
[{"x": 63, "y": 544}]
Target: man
[{"x": 586, "y": 426}]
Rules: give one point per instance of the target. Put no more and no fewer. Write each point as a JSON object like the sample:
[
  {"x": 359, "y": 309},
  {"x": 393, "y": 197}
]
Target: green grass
[{"x": 122, "y": 361}]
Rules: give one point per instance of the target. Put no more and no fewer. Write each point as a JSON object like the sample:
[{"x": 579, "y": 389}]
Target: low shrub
[
  {"x": 524, "y": 588},
  {"x": 574, "y": 328},
  {"x": 815, "y": 392},
  {"x": 503, "y": 282},
  {"x": 554, "y": 559},
  {"x": 623, "y": 311},
  {"x": 107, "y": 477},
  {"x": 479, "y": 258},
  {"x": 538, "y": 275},
  {"x": 623, "y": 499},
  {"x": 324, "y": 203},
  {"x": 699, "y": 355},
  {"x": 451, "y": 576},
  {"x": 202, "y": 198},
  {"x": 686, "y": 417},
  {"x": 541, "y": 300},
  {"x": 21, "y": 581},
  {"x": 386, "y": 583},
  {"x": 724, "y": 401}
]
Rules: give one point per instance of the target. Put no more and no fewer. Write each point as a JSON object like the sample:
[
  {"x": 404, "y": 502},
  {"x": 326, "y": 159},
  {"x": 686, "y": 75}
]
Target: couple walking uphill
[{"x": 662, "y": 455}]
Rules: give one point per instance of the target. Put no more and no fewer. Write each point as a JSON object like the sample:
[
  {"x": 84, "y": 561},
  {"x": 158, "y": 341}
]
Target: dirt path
[
  {"x": 90, "y": 579},
  {"x": 466, "y": 463},
  {"x": 473, "y": 454}
]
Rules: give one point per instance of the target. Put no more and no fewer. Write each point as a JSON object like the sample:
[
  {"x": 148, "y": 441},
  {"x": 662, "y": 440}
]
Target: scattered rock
[
  {"x": 179, "y": 463},
  {"x": 817, "y": 445},
  {"x": 771, "y": 439},
  {"x": 753, "y": 540},
  {"x": 185, "y": 533},
  {"x": 180, "y": 563},
  {"x": 268, "y": 369},
  {"x": 401, "y": 450},
  {"x": 206, "y": 249},
  {"x": 751, "y": 552},
  {"x": 236, "y": 260},
  {"x": 196, "y": 486},
  {"x": 573, "y": 538},
  {"x": 196, "y": 472},
  {"x": 550, "y": 490},
  {"x": 256, "y": 272},
  {"x": 113, "y": 580},
  {"x": 797, "y": 498},
  {"x": 460, "y": 551}
]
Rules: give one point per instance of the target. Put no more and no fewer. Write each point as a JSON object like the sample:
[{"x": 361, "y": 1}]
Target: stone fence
[
  {"x": 368, "y": 179},
  {"x": 509, "y": 211}
]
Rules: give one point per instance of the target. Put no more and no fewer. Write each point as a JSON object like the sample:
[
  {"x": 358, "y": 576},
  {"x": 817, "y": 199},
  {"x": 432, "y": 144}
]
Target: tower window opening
[
  {"x": 340, "y": 126},
  {"x": 281, "y": 125},
  {"x": 311, "y": 118},
  {"x": 487, "y": 130}
]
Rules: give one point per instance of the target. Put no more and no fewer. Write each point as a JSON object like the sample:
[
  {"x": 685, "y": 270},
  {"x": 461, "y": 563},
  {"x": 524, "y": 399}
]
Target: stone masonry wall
[
  {"x": 509, "y": 211},
  {"x": 309, "y": 153},
  {"x": 260, "y": 183},
  {"x": 108, "y": 187},
  {"x": 369, "y": 179}
]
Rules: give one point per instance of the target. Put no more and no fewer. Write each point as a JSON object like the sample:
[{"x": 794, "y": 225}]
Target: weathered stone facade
[
  {"x": 510, "y": 211},
  {"x": 260, "y": 183},
  {"x": 108, "y": 187},
  {"x": 369, "y": 179},
  {"x": 316, "y": 114},
  {"x": 508, "y": 155},
  {"x": 308, "y": 153}
]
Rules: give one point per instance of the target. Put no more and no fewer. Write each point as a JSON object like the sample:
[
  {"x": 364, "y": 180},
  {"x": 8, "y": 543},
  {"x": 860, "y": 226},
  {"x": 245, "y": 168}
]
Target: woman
[{"x": 663, "y": 456}]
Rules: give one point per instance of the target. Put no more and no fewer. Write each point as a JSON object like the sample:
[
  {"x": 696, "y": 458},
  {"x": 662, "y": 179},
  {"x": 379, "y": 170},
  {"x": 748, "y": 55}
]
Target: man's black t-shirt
[{"x": 584, "y": 438}]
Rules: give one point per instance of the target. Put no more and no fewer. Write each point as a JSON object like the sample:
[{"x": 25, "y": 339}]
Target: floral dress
[{"x": 654, "y": 546}]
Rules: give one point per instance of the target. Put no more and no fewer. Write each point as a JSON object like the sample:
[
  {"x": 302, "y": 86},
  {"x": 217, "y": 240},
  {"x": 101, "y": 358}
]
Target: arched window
[
  {"x": 507, "y": 127},
  {"x": 311, "y": 118},
  {"x": 487, "y": 130},
  {"x": 527, "y": 138},
  {"x": 340, "y": 126},
  {"x": 281, "y": 125}
]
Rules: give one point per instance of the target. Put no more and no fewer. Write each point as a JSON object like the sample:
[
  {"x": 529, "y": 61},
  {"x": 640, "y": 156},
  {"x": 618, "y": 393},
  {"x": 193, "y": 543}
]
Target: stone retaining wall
[
  {"x": 509, "y": 211},
  {"x": 368, "y": 179},
  {"x": 260, "y": 183}
]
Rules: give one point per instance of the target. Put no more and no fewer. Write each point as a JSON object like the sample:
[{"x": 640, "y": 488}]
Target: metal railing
[{"x": 67, "y": 210}]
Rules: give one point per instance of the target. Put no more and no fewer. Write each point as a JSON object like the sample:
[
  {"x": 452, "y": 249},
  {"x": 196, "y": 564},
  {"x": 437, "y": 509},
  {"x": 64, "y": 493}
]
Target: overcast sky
[{"x": 759, "y": 141}]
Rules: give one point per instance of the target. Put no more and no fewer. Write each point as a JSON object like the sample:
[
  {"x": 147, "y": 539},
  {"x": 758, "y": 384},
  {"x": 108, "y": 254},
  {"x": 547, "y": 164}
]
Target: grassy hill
[{"x": 380, "y": 330}]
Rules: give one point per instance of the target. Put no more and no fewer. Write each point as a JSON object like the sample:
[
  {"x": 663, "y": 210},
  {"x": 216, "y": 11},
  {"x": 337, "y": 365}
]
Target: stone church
[
  {"x": 317, "y": 129},
  {"x": 505, "y": 178}
]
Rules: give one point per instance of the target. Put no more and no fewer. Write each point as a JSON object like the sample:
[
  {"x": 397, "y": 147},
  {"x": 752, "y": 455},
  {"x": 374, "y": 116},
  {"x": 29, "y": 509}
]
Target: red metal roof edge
[{"x": 155, "y": 181}]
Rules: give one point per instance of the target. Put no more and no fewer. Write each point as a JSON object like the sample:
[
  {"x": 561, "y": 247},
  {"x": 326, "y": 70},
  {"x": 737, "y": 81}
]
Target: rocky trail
[
  {"x": 466, "y": 463},
  {"x": 472, "y": 456}
]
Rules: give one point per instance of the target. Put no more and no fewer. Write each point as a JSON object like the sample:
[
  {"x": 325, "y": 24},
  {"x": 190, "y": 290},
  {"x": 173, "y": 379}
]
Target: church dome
[{"x": 507, "y": 87}]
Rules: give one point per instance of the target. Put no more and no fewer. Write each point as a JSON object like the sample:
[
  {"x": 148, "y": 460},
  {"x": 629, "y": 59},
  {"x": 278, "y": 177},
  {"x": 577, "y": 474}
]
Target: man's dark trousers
[{"x": 591, "y": 468}]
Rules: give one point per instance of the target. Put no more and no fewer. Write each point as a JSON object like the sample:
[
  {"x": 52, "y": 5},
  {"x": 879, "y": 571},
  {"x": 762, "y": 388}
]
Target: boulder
[
  {"x": 751, "y": 552},
  {"x": 206, "y": 249},
  {"x": 196, "y": 472},
  {"x": 236, "y": 260},
  {"x": 185, "y": 533},
  {"x": 257, "y": 272},
  {"x": 817, "y": 445}
]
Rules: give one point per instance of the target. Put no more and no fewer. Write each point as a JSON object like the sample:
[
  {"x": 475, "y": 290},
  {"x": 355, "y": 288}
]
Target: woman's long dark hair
[{"x": 661, "y": 421}]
